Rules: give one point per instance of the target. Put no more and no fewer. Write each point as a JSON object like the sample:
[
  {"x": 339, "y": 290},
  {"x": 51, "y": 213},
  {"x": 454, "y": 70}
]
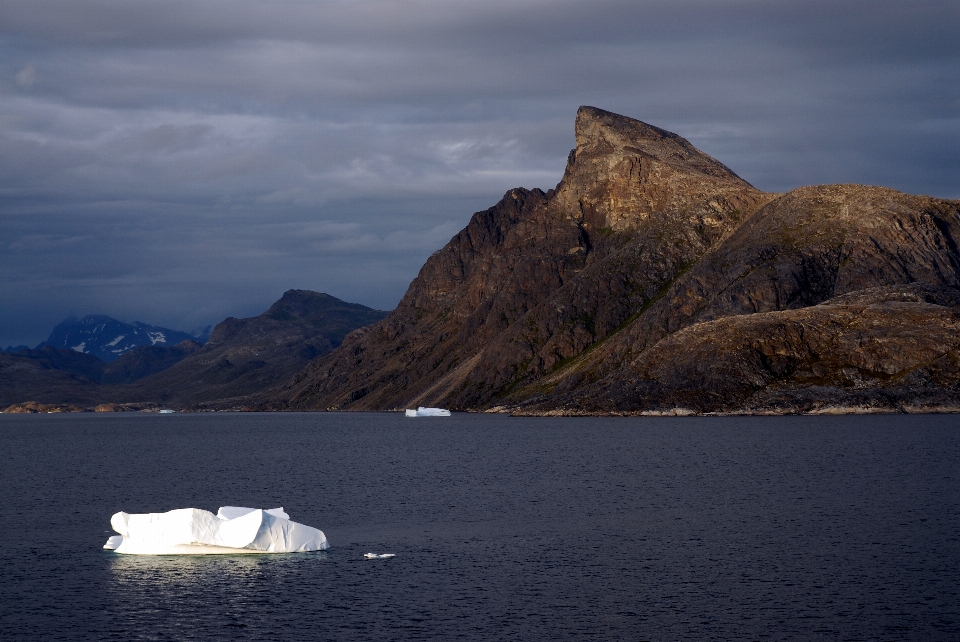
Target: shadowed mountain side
[
  {"x": 547, "y": 295},
  {"x": 248, "y": 356},
  {"x": 39, "y": 377},
  {"x": 70, "y": 361},
  {"x": 144, "y": 361},
  {"x": 58, "y": 375},
  {"x": 887, "y": 348}
]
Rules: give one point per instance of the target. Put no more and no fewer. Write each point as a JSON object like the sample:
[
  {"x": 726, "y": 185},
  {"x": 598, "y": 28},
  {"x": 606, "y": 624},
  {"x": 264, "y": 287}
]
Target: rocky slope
[
  {"x": 63, "y": 375},
  {"x": 893, "y": 348},
  {"x": 651, "y": 278},
  {"x": 51, "y": 375},
  {"x": 246, "y": 356}
]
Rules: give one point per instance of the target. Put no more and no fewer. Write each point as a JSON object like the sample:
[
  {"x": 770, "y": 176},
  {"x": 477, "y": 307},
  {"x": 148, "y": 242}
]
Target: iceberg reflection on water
[{"x": 175, "y": 583}]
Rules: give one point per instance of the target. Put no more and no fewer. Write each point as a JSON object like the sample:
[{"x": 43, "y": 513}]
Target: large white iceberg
[
  {"x": 428, "y": 412},
  {"x": 191, "y": 531}
]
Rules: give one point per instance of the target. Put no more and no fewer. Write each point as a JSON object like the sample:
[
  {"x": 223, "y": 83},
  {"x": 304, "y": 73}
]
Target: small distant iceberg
[
  {"x": 428, "y": 412},
  {"x": 192, "y": 531},
  {"x": 379, "y": 556}
]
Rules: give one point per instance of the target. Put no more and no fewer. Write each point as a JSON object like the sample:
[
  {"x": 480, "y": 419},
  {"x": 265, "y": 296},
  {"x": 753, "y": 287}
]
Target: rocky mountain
[
  {"x": 144, "y": 361},
  {"x": 106, "y": 338},
  {"x": 247, "y": 356},
  {"x": 242, "y": 356},
  {"x": 62, "y": 375},
  {"x": 52, "y": 375},
  {"x": 653, "y": 278}
]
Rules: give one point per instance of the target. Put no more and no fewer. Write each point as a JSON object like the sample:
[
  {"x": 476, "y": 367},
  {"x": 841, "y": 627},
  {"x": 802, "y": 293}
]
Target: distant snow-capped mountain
[{"x": 106, "y": 338}]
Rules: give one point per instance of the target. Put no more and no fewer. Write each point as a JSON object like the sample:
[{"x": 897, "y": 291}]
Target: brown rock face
[
  {"x": 891, "y": 348},
  {"x": 592, "y": 297}
]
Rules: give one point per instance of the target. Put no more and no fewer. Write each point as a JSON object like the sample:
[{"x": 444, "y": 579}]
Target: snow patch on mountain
[{"x": 107, "y": 338}]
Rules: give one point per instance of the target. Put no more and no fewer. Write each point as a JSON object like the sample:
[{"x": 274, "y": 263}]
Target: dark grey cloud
[{"x": 180, "y": 161}]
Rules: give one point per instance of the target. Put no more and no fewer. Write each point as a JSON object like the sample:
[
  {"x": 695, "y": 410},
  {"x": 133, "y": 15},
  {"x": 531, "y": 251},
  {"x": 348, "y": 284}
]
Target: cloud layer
[{"x": 176, "y": 162}]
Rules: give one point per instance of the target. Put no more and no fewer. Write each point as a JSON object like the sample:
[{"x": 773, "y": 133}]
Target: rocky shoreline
[{"x": 32, "y": 407}]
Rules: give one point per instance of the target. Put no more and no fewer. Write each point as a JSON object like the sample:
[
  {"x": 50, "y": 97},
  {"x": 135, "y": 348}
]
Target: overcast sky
[{"x": 179, "y": 161}]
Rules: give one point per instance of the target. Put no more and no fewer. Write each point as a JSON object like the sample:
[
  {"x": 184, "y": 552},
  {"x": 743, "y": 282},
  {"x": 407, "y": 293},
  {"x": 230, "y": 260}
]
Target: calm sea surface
[{"x": 803, "y": 528}]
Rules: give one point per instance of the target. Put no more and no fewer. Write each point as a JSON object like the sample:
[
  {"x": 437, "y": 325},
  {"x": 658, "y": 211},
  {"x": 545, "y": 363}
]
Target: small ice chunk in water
[
  {"x": 379, "y": 556},
  {"x": 428, "y": 412},
  {"x": 113, "y": 542},
  {"x": 191, "y": 531}
]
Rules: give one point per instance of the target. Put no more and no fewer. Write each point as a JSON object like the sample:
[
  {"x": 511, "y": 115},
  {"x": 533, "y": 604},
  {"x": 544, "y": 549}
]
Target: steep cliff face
[
  {"x": 540, "y": 277},
  {"x": 554, "y": 300},
  {"x": 799, "y": 250}
]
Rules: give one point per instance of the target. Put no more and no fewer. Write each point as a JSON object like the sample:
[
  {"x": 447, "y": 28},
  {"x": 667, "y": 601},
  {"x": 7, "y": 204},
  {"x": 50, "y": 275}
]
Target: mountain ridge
[
  {"x": 107, "y": 338},
  {"x": 241, "y": 357},
  {"x": 244, "y": 357},
  {"x": 544, "y": 300}
]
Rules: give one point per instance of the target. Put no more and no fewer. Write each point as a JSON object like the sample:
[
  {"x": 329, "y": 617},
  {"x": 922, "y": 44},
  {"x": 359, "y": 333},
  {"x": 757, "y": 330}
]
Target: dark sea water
[{"x": 791, "y": 528}]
